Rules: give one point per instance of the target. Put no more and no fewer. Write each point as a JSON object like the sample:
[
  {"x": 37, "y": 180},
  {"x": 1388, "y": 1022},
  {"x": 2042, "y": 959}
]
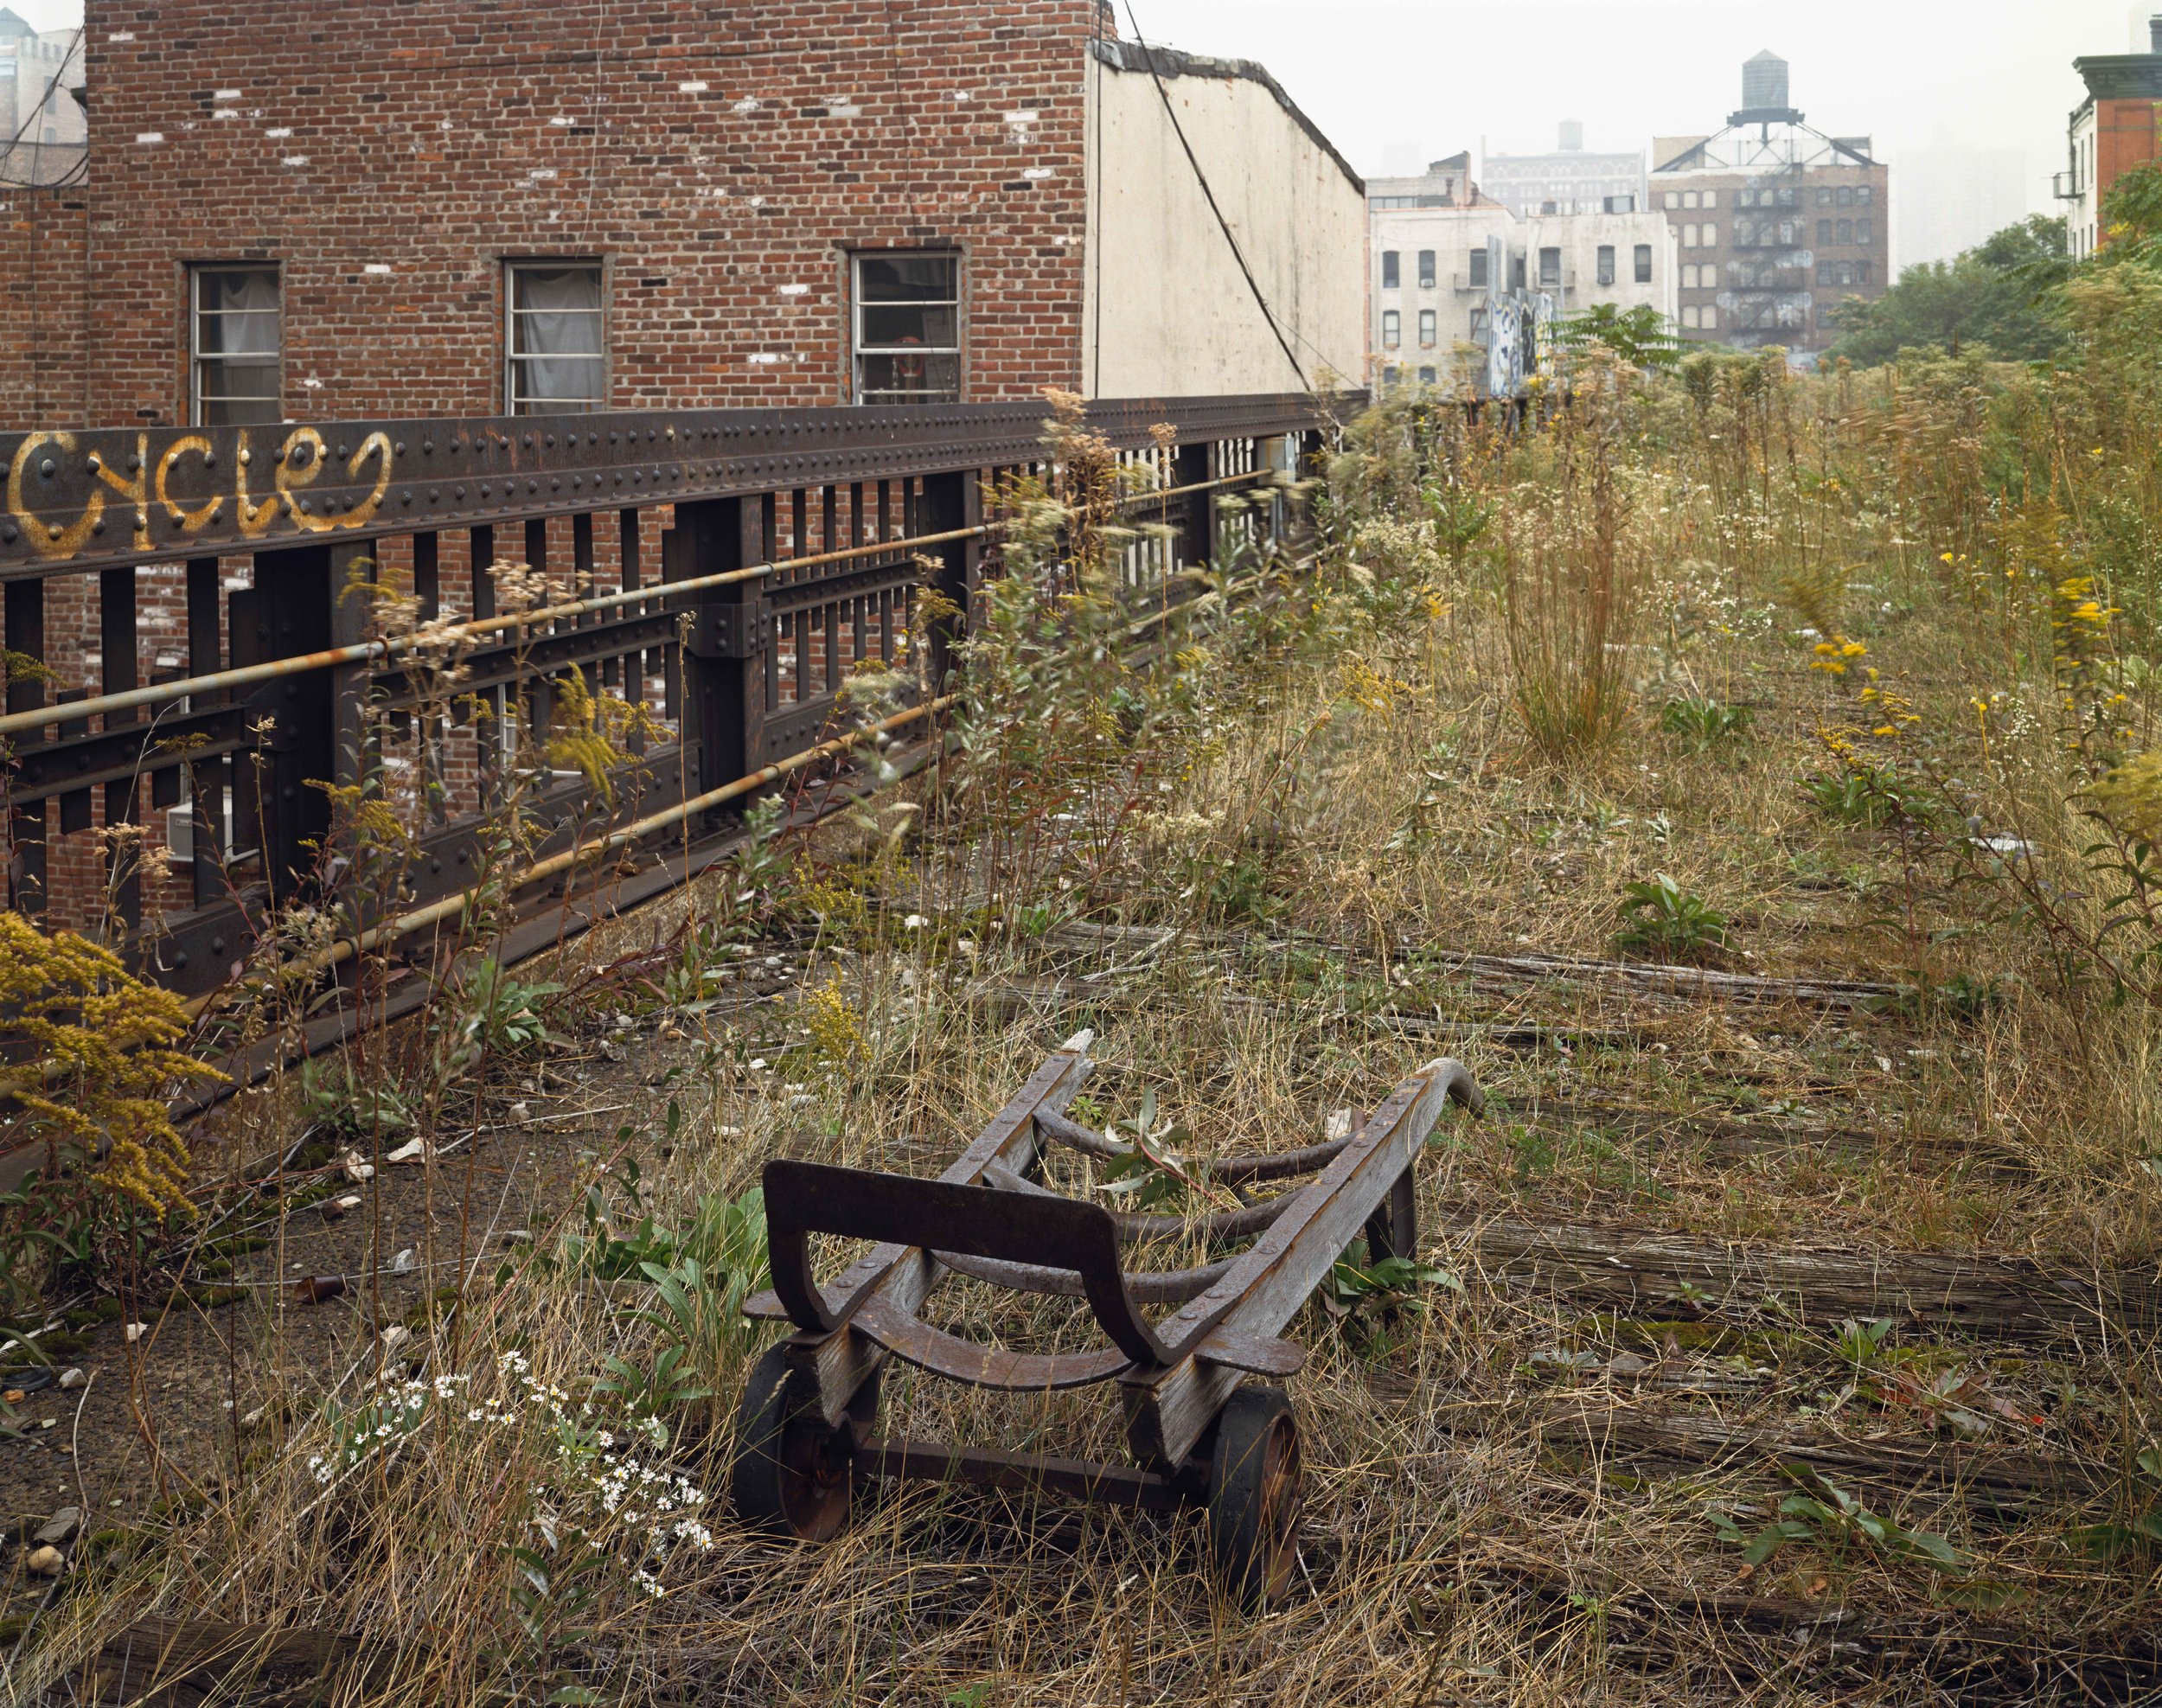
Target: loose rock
[
  {"x": 61, "y": 1525},
  {"x": 46, "y": 1562}
]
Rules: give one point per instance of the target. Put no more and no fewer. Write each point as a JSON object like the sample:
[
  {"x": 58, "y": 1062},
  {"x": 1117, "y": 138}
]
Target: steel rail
[
  {"x": 345, "y": 948},
  {"x": 360, "y": 652}
]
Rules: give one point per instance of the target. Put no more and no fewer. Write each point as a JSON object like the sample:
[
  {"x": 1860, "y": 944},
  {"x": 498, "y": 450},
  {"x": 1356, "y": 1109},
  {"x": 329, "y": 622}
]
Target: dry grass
[{"x": 1324, "y": 804}]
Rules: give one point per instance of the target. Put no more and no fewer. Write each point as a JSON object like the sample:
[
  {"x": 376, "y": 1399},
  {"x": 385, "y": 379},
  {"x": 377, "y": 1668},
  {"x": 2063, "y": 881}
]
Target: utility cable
[
  {"x": 1201, "y": 178},
  {"x": 44, "y": 100}
]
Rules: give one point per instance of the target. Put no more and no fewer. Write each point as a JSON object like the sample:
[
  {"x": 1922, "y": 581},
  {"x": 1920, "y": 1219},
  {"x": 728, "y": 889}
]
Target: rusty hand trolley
[{"x": 1199, "y": 1430}]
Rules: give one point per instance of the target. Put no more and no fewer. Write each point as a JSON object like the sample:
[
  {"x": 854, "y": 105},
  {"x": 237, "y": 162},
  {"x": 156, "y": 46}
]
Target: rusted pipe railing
[
  {"x": 360, "y": 652},
  {"x": 555, "y": 865}
]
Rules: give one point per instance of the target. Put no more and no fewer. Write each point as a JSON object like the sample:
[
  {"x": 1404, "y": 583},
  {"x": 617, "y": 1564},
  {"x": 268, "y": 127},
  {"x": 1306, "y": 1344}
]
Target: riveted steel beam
[{"x": 108, "y": 497}]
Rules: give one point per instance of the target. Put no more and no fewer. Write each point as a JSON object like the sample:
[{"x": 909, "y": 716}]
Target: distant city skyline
[{"x": 1395, "y": 83}]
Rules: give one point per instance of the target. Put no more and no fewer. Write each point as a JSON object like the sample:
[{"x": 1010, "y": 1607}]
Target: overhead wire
[
  {"x": 37, "y": 110},
  {"x": 1209, "y": 194}
]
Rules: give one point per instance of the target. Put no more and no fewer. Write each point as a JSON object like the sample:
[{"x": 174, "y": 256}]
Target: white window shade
[
  {"x": 556, "y": 344},
  {"x": 236, "y": 336}
]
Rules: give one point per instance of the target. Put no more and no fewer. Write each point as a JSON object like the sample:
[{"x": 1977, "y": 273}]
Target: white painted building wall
[
  {"x": 1458, "y": 305},
  {"x": 1453, "y": 300},
  {"x": 1167, "y": 311},
  {"x": 1580, "y": 237}
]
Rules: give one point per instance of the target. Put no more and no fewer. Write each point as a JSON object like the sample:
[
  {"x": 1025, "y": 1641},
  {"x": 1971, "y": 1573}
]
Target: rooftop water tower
[{"x": 1764, "y": 94}]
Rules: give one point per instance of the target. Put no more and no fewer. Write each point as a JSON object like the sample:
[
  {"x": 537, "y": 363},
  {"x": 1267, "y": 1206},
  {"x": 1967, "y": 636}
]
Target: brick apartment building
[
  {"x": 1777, "y": 224},
  {"x": 565, "y": 207},
  {"x": 549, "y": 210},
  {"x": 2114, "y": 129}
]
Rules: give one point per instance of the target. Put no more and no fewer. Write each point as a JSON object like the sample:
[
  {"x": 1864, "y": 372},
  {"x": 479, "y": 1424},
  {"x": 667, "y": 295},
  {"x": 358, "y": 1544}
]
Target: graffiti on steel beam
[{"x": 87, "y": 499}]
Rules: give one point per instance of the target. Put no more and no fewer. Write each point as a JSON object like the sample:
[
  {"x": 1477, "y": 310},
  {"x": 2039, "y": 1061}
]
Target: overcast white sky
[
  {"x": 1395, "y": 83},
  {"x": 1398, "y": 82}
]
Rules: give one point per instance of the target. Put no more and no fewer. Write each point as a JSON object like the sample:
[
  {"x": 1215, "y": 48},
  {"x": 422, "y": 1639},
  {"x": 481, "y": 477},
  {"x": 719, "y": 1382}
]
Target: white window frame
[
  {"x": 1392, "y": 330},
  {"x": 512, "y": 401},
  {"x": 197, "y": 273},
  {"x": 858, "y": 349}
]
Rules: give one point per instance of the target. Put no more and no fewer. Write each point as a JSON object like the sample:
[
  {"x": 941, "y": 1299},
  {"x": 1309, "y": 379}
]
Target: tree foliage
[
  {"x": 1995, "y": 296},
  {"x": 2132, "y": 207},
  {"x": 1641, "y": 337}
]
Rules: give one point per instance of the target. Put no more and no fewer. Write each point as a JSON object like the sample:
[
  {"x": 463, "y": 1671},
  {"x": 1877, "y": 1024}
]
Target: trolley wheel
[
  {"x": 1393, "y": 1229},
  {"x": 1255, "y": 1496},
  {"x": 790, "y": 1475}
]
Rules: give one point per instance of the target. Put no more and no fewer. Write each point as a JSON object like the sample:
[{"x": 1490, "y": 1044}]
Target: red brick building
[
  {"x": 2117, "y": 127},
  {"x": 453, "y": 210},
  {"x": 459, "y": 210}
]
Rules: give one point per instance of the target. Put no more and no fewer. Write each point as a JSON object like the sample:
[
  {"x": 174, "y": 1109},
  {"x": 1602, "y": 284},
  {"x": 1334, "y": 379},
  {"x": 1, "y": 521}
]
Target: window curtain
[{"x": 559, "y": 332}]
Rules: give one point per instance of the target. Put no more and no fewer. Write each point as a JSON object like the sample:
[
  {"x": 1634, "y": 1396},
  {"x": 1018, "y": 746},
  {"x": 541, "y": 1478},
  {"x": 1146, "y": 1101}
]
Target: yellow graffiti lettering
[
  {"x": 49, "y": 540},
  {"x": 135, "y": 488},
  {"x": 254, "y": 519},
  {"x": 199, "y": 516},
  {"x": 289, "y": 483},
  {"x": 378, "y": 445}
]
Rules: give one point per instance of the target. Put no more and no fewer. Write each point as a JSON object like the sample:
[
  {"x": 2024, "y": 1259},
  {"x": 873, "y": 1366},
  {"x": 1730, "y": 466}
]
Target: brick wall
[
  {"x": 2125, "y": 136},
  {"x": 718, "y": 158},
  {"x": 42, "y": 297}
]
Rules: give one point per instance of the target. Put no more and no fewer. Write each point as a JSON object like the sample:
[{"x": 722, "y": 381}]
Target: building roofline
[
  {"x": 1169, "y": 62},
  {"x": 1693, "y": 158},
  {"x": 2121, "y": 76}
]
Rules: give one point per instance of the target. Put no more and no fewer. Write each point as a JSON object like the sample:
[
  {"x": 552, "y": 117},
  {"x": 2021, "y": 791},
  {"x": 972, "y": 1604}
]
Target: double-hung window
[
  {"x": 236, "y": 333},
  {"x": 1428, "y": 329},
  {"x": 1392, "y": 330},
  {"x": 1606, "y": 264},
  {"x": 1550, "y": 269},
  {"x": 1477, "y": 277},
  {"x": 1643, "y": 264},
  {"x": 1392, "y": 275},
  {"x": 555, "y": 356},
  {"x": 908, "y": 326},
  {"x": 1426, "y": 269}
]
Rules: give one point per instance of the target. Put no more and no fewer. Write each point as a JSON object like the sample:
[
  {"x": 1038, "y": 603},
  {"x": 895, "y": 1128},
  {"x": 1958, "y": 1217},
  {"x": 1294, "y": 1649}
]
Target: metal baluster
[
  {"x": 116, "y": 643},
  {"x": 205, "y": 777},
  {"x": 25, "y": 628}
]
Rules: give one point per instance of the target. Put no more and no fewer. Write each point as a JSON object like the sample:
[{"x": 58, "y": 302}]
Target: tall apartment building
[
  {"x": 2115, "y": 129},
  {"x": 1448, "y": 261},
  {"x": 42, "y": 126},
  {"x": 1568, "y": 181},
  {"x": 1953, "y": 197},
  {"x": 1776, "y": 223}
]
